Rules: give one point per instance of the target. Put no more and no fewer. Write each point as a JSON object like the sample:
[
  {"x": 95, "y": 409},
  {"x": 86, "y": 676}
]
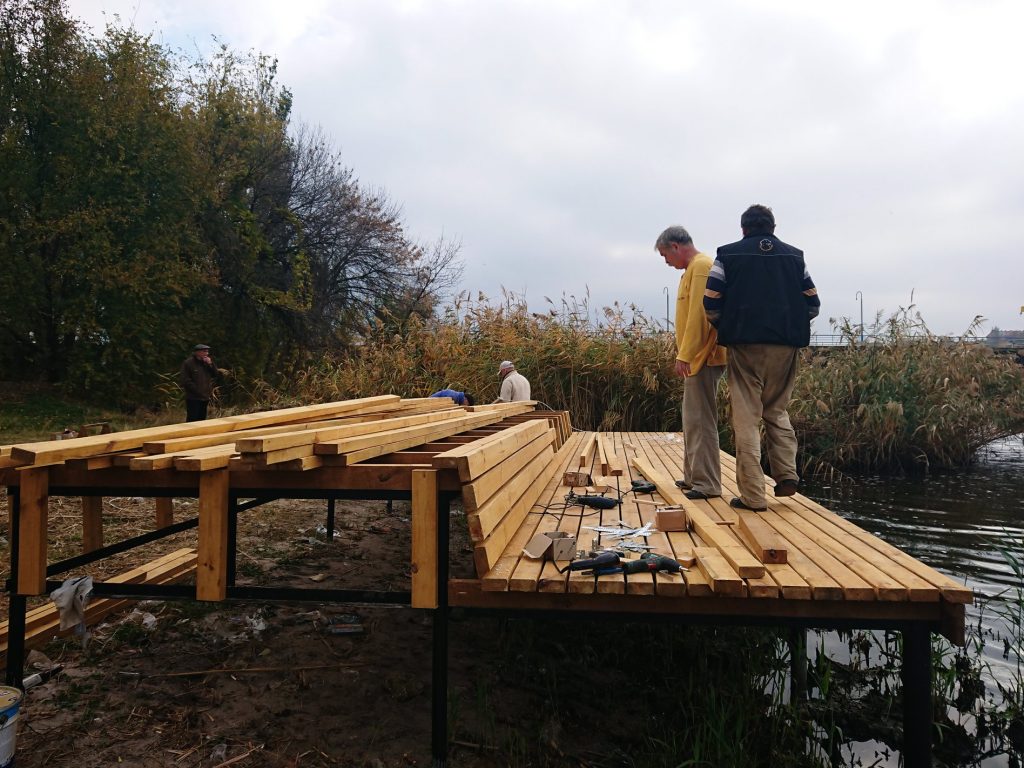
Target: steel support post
[
  {"x": 232, "y": 569},
  {"x": 917, "y": 696},
  {"x": 439, "y": 672},
  {"x": 797, "y": 664},
  {"x": 16, "y": 605}
]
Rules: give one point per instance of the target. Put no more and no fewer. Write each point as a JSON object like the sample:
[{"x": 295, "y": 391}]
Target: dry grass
[{"x": 904, "y": 399}]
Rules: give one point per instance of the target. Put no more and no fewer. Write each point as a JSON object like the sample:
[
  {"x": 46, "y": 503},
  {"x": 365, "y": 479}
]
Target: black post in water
[
  {"x": 797, "y": 664},
  {"x": 232, "y": 539},
  {"x": 16, "y": 603},
  {"x": 917, "y": 696},
  {"x": 330, "y": 520},
  {"x": 439, "y": 672}
]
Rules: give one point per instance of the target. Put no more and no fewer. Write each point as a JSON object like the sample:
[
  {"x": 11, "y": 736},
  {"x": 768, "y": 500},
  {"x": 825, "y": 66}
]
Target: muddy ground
[{"x": 286, "y": 684}]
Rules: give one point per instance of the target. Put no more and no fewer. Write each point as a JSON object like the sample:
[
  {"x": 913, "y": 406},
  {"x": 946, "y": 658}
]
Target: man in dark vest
[
  {"x": 761, "y": 299},
  {"x": 197, "y": 374}
]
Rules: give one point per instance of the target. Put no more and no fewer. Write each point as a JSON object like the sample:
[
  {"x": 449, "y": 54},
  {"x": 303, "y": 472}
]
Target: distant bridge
[{"x": 1007, "y": 346}]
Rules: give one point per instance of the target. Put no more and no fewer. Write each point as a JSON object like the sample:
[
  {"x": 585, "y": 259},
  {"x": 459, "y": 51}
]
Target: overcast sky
[{"x": 557, "y": 138}]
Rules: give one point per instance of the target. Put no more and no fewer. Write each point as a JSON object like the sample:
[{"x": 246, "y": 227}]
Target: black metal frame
[{"x": 916, "y": 666}]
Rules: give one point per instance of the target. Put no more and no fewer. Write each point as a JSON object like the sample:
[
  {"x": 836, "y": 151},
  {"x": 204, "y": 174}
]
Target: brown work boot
[{"x": 787, "y": 488}]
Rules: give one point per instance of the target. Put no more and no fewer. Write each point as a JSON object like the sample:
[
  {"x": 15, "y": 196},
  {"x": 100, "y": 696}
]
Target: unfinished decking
[
  {"x": 795, "y": 565},
  {"x": 832, "y": 569}
]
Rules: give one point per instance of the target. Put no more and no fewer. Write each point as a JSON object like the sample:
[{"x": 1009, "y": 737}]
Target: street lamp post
[
  {"x": 860, "y": 296},
  {"x": 665, "y": 289}
]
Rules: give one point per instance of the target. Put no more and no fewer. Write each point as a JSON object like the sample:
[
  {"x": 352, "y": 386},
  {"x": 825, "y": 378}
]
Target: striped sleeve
[
  {"x": 714, "y": 293},
  {"x": 810, "y": 295}
]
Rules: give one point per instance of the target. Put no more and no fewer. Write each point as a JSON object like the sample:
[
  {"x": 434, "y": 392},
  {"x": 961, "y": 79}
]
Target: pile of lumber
[
  {"x": 42, "y": 624},
  {"x": 302, "y": 438},
  {"x": 502, "y": 477}
]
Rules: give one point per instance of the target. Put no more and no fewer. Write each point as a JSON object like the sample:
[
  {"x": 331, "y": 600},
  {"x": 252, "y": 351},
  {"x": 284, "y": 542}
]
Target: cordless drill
[
  {"x": 649, "y": 562},
  {"x": 603, "y": 562}
]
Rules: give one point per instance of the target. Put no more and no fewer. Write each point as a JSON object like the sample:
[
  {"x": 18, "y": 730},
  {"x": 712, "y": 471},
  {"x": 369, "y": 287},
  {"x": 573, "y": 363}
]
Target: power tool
[
  {"x": 601, "y": 563},
  {"x": 642, "y": 486},
  {"x": 650, "y": 562},
  {"x": 592, "y": 501}
]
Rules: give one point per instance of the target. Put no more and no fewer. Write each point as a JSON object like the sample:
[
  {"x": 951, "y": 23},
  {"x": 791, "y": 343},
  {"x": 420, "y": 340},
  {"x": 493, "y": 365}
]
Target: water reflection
[
  {"x": 956, "y": 522},
  {"x": 967, "y": 524}
]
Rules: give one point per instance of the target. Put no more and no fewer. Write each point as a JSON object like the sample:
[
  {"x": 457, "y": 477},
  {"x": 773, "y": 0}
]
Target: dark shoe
[
  {"x": 787, "y": 488},
  {"x": 684, "y": 485},
  {"x": 695, "y": 495},
  {"x": 737, "y": 503}
]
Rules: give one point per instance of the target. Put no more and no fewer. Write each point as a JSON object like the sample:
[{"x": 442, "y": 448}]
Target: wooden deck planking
[
  {"x": 782, "y": 578},
  {"x": 682, "y": 543},
  {"x": 499, "y": 576},
  {"x": 831, "y": 561},
  {"x": 890, "y": 580},
  {"x": 813, "y": 562},
  {"x": 526, "y": 572}
]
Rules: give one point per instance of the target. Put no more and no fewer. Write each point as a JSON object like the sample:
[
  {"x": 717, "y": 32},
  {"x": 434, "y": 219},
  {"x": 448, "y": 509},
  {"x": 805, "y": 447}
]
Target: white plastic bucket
[{"x": 10, "y": 703}]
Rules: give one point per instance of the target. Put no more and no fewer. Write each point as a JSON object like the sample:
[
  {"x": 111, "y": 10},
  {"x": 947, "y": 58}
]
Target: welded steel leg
[
  {"x": 439, "y": 671},
  {"x": 16, "y": 603},
  {"x": 330, "y": 520},
  {"x": 797, "y": 664},
  {"x": 232, "y": 569},
  {"x": 917, "y": 697}
]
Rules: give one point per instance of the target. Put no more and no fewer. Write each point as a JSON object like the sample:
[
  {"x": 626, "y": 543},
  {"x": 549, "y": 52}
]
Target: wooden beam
[
  {"x": 164, "y": 511},
  {"x": 762, "y": 540},
  {"x": 424, "y": 538},
  {"x": 476, "y": 458},
  {"x": 265, "y": 444},
  {"x": 33, "y": 518},
  {"x": 92, "y": 523},
  {"x": 587, "y": 451},
  {"x": 745, "y": 564},
  {"x": 475, "y": 493},
  {"x": 484, "y": 520},
  {"x": 212, "y": 564},
  {"x": 57, "y": 451}
]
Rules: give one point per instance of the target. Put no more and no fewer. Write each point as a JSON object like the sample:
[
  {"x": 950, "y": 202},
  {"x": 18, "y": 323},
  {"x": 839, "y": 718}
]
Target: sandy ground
[{"x": 281, "y": 684}]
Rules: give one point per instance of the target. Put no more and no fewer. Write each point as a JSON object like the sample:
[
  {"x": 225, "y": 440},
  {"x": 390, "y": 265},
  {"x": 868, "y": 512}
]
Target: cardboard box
[
  {"x": 576, "y": 479},
  {"x": 551, "y": 545},
  {"x": 671, "y": 520}
]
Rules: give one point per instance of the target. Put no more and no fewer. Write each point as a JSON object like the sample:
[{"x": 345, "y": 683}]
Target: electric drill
[
  {"x": 594, "y": 502},
  {"x": 649, "y": 562},
  {"x": 600, "y": 563}
]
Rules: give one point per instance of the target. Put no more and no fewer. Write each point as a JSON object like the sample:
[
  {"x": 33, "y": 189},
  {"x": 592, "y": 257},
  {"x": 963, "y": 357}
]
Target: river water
[{"x": 968, "y": 524}]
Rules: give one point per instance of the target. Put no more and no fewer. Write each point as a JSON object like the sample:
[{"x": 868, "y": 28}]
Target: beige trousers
[
  {"x": 702, "y": 465},
  {"x": 761, "y": 378}
]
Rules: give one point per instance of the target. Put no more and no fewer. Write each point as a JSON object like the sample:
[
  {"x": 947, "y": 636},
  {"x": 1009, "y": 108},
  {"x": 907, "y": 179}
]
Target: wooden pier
[{"x": 796, "y": 565}]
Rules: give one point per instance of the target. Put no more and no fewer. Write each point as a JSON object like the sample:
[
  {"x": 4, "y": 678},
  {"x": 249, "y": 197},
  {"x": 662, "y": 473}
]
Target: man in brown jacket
[{"x": 197, "y": 374}]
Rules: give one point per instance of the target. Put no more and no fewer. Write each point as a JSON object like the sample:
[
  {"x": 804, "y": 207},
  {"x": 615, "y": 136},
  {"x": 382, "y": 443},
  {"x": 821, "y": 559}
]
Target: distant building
[{"x": 1001, "y": 338}]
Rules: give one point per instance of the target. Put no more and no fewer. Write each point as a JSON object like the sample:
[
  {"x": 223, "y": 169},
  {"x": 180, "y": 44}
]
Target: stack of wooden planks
[
  {"x": 302, "y": 438},
  {"x": 42, "y": 624},
  {"x": 502, "y": 476}
]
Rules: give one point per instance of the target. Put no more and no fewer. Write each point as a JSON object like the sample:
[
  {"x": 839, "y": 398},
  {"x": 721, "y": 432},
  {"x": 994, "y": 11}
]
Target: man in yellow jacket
[{"x": 700, "y": 361}]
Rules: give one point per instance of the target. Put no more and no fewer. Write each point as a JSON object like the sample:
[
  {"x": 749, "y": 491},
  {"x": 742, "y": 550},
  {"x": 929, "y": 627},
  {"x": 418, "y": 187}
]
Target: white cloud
[{"x": 558, "y": 138}]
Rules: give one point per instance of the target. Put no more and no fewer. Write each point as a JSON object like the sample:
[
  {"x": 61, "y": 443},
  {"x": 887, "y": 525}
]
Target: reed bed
[
  {"x": 613, "y": 374},
  {"x": 901, "y": 399},
  {"x": 905, "y": 398}
]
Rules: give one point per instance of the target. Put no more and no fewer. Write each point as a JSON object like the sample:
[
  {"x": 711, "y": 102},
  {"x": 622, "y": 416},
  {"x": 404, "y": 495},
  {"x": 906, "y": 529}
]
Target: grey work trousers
[
  {"x": 761, "y": 378},
  {"x": 702, "y": 465}
]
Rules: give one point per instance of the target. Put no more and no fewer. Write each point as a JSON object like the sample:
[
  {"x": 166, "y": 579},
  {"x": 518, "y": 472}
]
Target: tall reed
[{"x": 904, "y": 398}]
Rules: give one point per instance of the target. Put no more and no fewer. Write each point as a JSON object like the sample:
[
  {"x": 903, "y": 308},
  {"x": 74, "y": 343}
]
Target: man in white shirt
[{"x": 514, "y": 386}]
